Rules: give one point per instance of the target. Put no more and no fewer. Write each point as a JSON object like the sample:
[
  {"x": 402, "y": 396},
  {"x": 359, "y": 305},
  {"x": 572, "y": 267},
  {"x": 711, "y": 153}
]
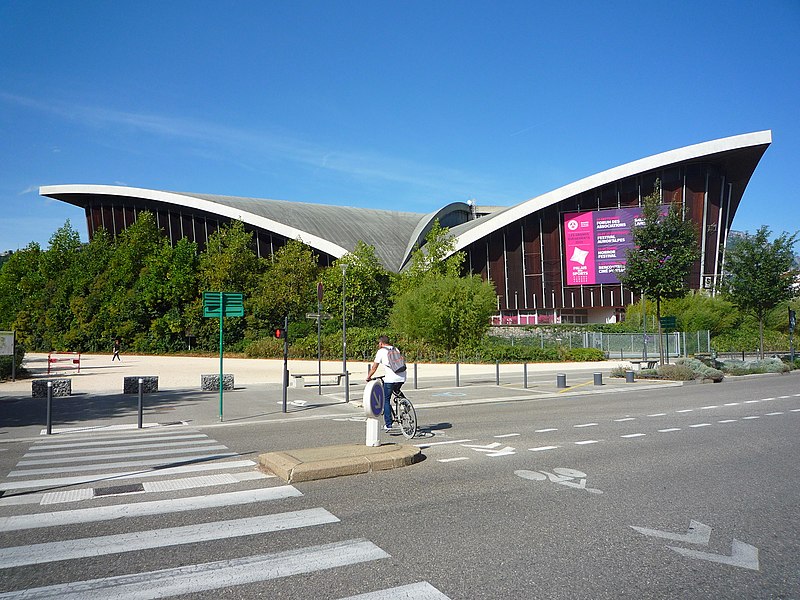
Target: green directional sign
[
  {"x": 668, "y": 322},
  {"x": 223, "y": 304},
  {"x": 218, "y": 305}
]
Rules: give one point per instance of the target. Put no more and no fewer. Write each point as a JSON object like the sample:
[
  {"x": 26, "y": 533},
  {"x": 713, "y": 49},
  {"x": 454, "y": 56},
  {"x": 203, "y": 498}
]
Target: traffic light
[{"x": 280, "y": 333}]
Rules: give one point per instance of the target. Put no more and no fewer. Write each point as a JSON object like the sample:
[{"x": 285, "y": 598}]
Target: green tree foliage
[
  {"x": 666, "y": 248},
  {"x": 761, "y": 274},
  {"x": 167, "y": 287},
  {"x": 20, "y": 286},
  {"x": 431, "y": 260},
  {"x": 367, "y": 289},
  {"x": 287, "y": 287},
  {"x": 229, "y": 264},
  {"x": 447, "y": 311},
  {"x": 700, "y": 312}
]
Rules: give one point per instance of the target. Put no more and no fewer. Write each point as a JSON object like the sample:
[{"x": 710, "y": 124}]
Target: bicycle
[{"x": 403, "y": 412}]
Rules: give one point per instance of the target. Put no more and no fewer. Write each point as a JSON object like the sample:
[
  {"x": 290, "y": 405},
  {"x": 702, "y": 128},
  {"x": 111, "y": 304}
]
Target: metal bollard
[
  {"x": 415, "y": 375},
  {"x": 347, "y": 386},
  {"x": 598, "y": 378},
  {"x": 497, "y": 371},
  {"x": 561, "y": 380},
  {"x": 49, "y": 407},
  {"x": 141, "y": 402},
  {"x": 628, "y": 376},
  {"x": 457, "y": 376},
  {"x": 525, "y": 376}
]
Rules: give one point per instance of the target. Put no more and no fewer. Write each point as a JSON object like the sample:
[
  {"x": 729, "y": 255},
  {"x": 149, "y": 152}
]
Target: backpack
[{"x": 397, "y": 361}]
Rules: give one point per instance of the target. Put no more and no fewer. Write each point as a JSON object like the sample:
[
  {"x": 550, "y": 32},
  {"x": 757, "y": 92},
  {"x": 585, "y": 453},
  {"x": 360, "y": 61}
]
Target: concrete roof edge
[
  {"x": 189, "y": 201},
  {"x": 489, "y": 224}
]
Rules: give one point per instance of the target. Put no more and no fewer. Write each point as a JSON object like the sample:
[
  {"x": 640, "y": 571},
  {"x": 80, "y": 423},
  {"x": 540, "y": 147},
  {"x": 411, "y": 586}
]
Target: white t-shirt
[{"x": 382, "y": 358}]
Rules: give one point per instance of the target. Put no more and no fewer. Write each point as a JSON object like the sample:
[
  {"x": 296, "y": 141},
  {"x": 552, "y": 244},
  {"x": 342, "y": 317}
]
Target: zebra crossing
[{"x": 102, "y": 479}]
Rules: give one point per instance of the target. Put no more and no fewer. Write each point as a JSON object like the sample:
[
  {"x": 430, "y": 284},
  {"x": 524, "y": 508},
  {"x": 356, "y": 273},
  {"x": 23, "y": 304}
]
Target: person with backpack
[{"x": 394, "y": 366}]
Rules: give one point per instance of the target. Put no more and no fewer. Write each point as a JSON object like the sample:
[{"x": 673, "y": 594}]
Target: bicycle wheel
[{"x": 407, "y": 417}]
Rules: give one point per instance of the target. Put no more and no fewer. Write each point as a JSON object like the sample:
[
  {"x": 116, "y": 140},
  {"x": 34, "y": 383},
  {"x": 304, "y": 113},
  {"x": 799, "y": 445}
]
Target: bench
[
  {"x": 209, "y": 382},
  {"x": 61, "y": 387},
  {"x": 299, "y": 379},
  {"x": 130, "y": 385},
  {"x": 650, "y": 364}
]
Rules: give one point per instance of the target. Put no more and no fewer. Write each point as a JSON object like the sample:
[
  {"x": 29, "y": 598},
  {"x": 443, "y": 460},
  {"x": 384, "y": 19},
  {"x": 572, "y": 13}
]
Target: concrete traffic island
[{"x": 308, "y": 464}]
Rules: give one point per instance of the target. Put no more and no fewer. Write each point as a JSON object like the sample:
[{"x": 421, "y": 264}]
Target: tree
[
  {"x": 367, "y": 286},
  {"x": 665, "y": 249},
  {"x": 448, "y": 311},
  {"x": 431, "y": 260},
  {"x": 760, "y": 274},
  {"x": 229, "y": 264},
  {"x": 286, "y": 288}
]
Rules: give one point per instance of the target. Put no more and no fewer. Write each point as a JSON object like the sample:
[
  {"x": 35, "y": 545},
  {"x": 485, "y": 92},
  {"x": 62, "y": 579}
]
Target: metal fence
[
  {"x": 632, "y": 345},
  {"x": 617, "y": 345}
]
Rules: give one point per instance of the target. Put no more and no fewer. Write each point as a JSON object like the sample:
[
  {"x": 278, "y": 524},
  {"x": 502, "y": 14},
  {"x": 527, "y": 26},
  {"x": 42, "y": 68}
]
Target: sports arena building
[{"x": 552, "y": 259}]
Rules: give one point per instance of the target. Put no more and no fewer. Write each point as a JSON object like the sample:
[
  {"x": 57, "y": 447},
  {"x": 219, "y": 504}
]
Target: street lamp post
[{"x": 344, "y": 336}]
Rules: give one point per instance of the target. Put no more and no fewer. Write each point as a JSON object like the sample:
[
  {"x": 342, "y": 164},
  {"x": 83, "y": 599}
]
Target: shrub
[
  {"x": 701, "y": 369},
  {"x": 582, "y": 354},
  {"x": 675, "y": 372},
  {"x": 750, "y": 367},
  {"x": 265, "y": 348}
]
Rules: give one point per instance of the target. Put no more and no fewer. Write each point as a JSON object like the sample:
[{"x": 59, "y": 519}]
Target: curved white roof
[
  {"x": 334, "y": 230},
  {"x": 475, "y": 230}
]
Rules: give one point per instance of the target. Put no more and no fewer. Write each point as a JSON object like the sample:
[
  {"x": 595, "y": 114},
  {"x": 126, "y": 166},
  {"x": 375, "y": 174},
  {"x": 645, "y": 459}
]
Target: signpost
[
  {"x": 222, "y": 304},
  {"x": 8, "y": 346},
  {"x": 668, "y": 325},
  {"x": 792, "y": 325},
  {"x": 319, "y": 315}
]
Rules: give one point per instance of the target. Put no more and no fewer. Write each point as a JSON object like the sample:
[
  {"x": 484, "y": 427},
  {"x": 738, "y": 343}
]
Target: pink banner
[{"x": 579, "y": 243}]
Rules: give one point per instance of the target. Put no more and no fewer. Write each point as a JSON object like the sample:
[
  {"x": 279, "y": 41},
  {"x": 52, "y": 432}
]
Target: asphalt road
[{"x": 683, "y": 492}]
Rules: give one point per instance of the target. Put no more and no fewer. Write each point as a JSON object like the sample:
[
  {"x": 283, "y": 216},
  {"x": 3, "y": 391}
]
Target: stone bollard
[
  {"x": 209, "y": 382},
  {"x": 59, "y": 387},
  {"x": 130, "y": 385}
]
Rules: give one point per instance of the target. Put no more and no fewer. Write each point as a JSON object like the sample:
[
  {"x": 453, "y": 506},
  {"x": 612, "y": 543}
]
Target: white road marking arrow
[
  {"x": 697, "y": 533},
  {"x": 504, "y": 452},
  {"x": 742, "y": 555},
  {"x": 492, "y": 449},
  {"x": 478, "y": 447}
]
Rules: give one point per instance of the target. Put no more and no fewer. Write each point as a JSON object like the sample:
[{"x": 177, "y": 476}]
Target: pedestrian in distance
[
  {"x": 116, "y": 349},
  {"x": 394, "y": 368}
]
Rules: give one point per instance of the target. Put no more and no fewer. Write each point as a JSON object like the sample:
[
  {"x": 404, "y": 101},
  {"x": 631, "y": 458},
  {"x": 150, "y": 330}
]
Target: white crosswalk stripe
[
  {"x": 88, "y": 468},
  {"x": 159, "y": 538}
]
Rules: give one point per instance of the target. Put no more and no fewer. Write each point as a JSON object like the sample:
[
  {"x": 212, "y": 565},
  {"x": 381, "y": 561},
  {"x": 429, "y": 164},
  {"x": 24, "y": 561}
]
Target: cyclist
[{"x": 392, "y": 380}]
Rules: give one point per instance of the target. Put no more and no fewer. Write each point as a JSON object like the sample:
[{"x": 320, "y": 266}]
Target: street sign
[
  {"x": 323, "y": 316},
  {"x": 223, "y": 304},
  {"x": 668, "y": 322},
  {"x": 6, "y": 343}
]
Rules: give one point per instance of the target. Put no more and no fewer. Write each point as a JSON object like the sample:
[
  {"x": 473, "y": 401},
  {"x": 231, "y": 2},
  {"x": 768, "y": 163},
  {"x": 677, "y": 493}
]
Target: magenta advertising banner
[{"x": 596, "y": 243}]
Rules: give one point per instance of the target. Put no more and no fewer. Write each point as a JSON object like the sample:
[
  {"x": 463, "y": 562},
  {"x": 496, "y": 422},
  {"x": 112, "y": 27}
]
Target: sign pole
[
  {"x": 222, "y": 304},
  {"x": 220, "y": 367},
  {"x": 285, "y": 360},
  {"x": 319, "y": 338}
]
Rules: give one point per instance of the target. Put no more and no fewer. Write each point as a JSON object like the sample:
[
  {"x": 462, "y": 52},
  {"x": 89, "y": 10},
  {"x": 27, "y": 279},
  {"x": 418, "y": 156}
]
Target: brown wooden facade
[{"x": 525, "y": 259}]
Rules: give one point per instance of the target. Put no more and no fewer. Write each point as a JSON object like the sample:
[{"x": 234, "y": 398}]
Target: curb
[{"x": 309, "y": 464}]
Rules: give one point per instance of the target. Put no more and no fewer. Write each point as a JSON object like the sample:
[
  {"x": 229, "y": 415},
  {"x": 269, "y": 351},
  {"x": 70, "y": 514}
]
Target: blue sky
[{"x": 402, "y": 105}]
